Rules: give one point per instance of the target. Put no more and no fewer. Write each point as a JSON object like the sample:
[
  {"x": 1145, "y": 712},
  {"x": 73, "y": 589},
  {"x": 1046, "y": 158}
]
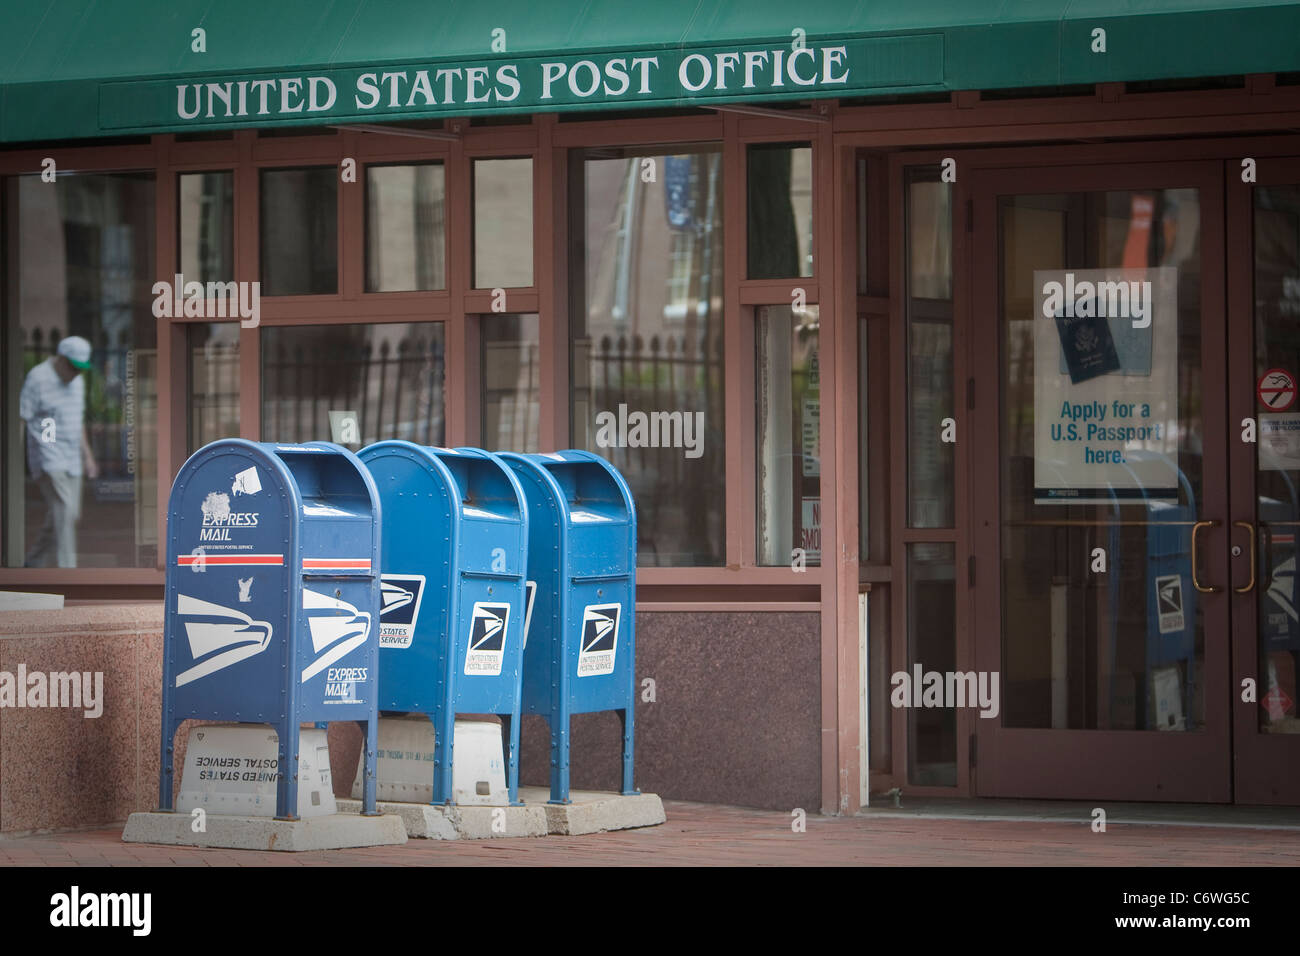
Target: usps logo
[
  {"x": 336, "y": 628},
  {"x": 217, "y": 637},
  {"x": 599, "y": 639},
  {"x": 400, "y": 596},
  {"x": 1169, "y": 603},
  {"x": 487, "y": 639}
]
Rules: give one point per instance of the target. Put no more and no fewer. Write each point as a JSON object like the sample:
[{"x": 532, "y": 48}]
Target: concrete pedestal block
[
  {"x": 427, "y": 822},
  {"x": 590, "y": 812},
  {"x": 333, "y": 832},
  {"x": 594, "y": 811}
]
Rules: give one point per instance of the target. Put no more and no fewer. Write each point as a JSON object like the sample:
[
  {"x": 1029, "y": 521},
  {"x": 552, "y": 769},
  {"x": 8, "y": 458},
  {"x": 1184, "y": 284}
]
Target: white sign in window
[{"x": 1106, "y": 386}]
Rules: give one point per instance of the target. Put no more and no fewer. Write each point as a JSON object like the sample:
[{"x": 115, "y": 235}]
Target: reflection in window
[
  {"x": 931, "y": 624},
  {"x": 789, "y": 451},
  {"x": 299, "y": 231},
  {"x": 214, "y": 382},
  {"x": 206, "y": 206},
  {"x": 647, "y": 340},
  {"x": 353, "y": 384},
  {"x": 780, "y": 211},
  {"x": 503, "y": 223},
  {"x": 1277, "y": 309},
  {"x": 509, "y": 372},
  {"x": 80, "y": 446},
  {"x": 405, "y": 228},
  {"x": 930, "y": 462}
]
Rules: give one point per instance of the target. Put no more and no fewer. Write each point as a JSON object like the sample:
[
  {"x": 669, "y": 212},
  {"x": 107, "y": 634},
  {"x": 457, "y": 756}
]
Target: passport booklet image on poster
[
  {"x": 1106, "y": 385},
  {"x": 1087, "y": 345}
]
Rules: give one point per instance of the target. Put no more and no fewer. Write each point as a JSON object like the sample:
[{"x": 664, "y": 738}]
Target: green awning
[{"x": 79, "y": 68}]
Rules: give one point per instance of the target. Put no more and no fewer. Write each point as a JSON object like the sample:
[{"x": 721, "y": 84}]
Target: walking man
[{"x": 53, "y": 404}]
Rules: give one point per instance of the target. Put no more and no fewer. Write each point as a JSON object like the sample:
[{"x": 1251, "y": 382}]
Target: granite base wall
[
  {"x": 735, "y": 718},
  {"x": 58, "y": 768}
]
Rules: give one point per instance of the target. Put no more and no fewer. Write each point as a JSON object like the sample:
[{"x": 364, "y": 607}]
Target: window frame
[{"x": 547, "y": 140}]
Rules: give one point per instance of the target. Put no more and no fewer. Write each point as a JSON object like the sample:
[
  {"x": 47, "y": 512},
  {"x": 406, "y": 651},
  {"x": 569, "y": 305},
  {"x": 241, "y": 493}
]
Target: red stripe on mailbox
[
  {"x": 336, "y": 564},
  {"x": 185, "y": 560}
]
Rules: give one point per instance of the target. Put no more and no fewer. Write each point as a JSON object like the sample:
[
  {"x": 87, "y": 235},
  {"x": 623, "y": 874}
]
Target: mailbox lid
[
  {"x": 493, "y": 513},
  {"x": 598, "y": 511},
  {"x": 340, "y": 510},
  {"x": 593, "y": 490}
]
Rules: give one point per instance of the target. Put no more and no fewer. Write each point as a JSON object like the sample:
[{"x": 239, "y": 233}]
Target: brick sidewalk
[{"x": 702, "y": 834}]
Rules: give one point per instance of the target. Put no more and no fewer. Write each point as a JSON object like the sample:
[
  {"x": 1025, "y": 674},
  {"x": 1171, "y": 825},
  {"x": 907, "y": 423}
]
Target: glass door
[
  {"x": 1264, "y": 354},
  {"x": 1101, "y": 555}
]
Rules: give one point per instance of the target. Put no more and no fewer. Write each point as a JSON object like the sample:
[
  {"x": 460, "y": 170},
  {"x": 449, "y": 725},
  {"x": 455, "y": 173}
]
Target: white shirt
[{"x": 53, "y": 411}]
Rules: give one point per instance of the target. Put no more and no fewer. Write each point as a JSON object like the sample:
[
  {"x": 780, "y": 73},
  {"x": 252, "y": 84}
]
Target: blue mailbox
[
  {"x": 580, "y": 651},
  {"x": 455, "y": 540},
  {"x": 272, "y": 598}
]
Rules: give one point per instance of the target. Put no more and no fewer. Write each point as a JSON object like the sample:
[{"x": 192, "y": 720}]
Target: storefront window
[
  {"x": 406, "y": 228},
  {"x": 353, "y": 384},
  {"x": 780, "y": 205},
  {"x": 931, "y": 624},
  {"x": 299, "y": 231},
  {"x": 929, "y": 349},
  {"x": 213, "y": 352},
  {"x": 206, "y": 207},
  {"x": 647, "y": 339},
  {"x": 503, "y": 223},
  {"x": 788, "y": 381},
  {"x": 80, "y": 427},
  {"x": 864, "y": 284},
  {"x": 510, "y": 378}
]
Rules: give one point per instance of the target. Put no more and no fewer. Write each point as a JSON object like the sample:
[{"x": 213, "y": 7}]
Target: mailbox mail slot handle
[
  {"x": 492, "y": 575},
  {"x": 578, "y": 578}
]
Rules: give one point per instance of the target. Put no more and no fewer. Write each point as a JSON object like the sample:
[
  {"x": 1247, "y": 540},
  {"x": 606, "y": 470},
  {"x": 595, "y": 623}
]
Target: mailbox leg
[
  {"x": 626, "y": 718},
  {"x": 167, "y": 765},
  {"x": 510, "y": 734},
  {"x": 559, "y": 757},
  {"x": 370, "y": 771},
  {"x": 444, "y": 728},
  {"x": 286, "y": 791}
]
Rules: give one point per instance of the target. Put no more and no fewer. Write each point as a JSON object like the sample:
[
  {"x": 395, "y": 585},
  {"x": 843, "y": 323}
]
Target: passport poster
[{"x": 1106, "y": 386}]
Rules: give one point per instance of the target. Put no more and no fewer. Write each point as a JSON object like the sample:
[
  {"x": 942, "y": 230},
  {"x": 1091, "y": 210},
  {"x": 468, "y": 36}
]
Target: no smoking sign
[{"x": 1276, "y": 390}]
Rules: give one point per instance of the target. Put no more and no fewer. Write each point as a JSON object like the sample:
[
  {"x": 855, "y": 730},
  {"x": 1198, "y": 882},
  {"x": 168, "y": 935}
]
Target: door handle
[
  {"x": 1251, "y": 528},
  {"x": 1196, "y": 582}
]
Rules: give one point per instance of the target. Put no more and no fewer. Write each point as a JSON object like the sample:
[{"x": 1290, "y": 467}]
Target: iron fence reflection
[{"x": 396, "y": 390}]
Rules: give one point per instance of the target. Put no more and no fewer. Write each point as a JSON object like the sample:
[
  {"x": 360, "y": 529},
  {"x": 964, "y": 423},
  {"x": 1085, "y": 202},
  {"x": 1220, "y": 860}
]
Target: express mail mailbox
[
  {"x": 455, "y": 539},
  {"x": 580, "y": 649},
  {"x": 272, "y": 598}
]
